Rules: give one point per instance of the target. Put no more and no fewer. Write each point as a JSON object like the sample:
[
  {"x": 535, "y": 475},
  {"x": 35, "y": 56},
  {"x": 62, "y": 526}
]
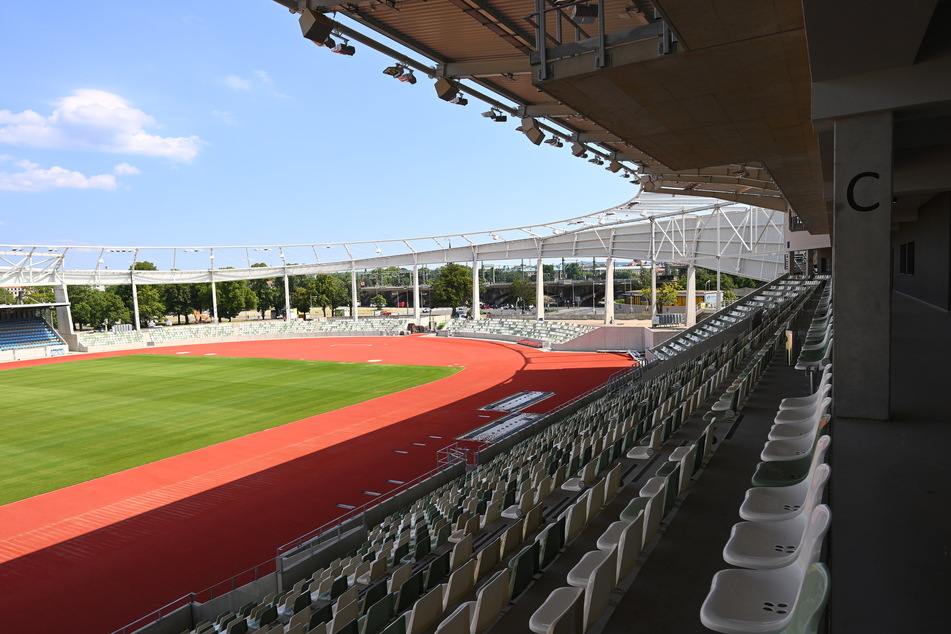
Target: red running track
[{"x": 96, "y": 556}]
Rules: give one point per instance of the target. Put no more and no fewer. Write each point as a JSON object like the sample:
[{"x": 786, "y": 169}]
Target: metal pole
[
  {"x": 416, "y": 294},
  {"x": 539, "y": 291}
]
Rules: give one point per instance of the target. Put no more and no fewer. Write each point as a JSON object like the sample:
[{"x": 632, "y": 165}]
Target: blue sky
[{"x": 208, "y": 123}]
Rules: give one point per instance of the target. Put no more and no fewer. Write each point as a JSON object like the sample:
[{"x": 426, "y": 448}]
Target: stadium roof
[{"x": 747, "y": 241}]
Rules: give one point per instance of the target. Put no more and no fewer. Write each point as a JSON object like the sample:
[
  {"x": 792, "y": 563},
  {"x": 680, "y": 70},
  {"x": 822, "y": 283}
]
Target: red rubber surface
[{"x": 109, "y": 551}]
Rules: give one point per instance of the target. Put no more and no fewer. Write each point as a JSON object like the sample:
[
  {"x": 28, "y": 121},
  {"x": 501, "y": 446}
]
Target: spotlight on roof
[
  {"x": 460, "y": 100},
  {"x": 495, "y": 114},
  {"x": 315, "y": 26},
  {"x": 343, "y": 49},
  {"x": 445, "y": 89},
  {"x": 614, "y": 167},
  {"x": 329, "y": 42},
  {"x": 530, "y": 129},
  {"x": 554, "y": 142},
  {"x": 393, "y": 71},
  {"x": 408, "y": 77},
  {"x": 577, "y": 149},
  {"x": 584, "y": 13},
  {"x": 597, "y": 160}
]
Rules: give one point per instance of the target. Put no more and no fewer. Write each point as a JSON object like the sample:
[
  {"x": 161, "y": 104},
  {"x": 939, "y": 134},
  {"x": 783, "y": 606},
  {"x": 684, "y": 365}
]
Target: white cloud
[
  {"x": 258, "y": 81},
  {"x": 32, "y": 178},
  {"x": 237, "y": 83},
  {"x": 226, "y": 117},
  {"x": 94, "y": 120},
  {"x": 123, "y": 169}
]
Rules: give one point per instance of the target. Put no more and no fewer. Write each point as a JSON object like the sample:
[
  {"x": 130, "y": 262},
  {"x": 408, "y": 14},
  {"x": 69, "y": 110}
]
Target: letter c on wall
[{"x": 850, "y": 192}]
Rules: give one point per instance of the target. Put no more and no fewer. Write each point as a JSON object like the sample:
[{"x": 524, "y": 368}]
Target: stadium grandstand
[{"x": 778, "y": 465}]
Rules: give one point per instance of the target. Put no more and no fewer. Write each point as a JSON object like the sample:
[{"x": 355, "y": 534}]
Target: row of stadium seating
[
  {"x": 779, "y": 583},
  {"x": 16, "y": 334},
  {"x": 240, "y": 330},
  {"x": 547, "y": 331},
  {"x": 505, "y": 522}
]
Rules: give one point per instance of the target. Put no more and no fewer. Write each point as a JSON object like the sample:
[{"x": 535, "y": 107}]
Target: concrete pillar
[
  {"x": 609, "y": 291},
  {"x": 476, "y": 313},
  {"x": 214, "y": 301},
  {"x": 862, "y": 277},
  {"x": 691, "y": 295},
  {"x": 135, "y": 304},
  {"x": 539, "y": 291},
  {"x": 64, "y": 315},
  {"x": 653, "y": 289},
  {"x": 287, "y": 298},
  {"x": 353, "y": 295},
  {"x": 416, "y": 312}
]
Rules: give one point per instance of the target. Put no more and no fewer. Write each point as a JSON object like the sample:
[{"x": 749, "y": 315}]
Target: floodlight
[
  {"x": 343, "y": 49},
  {"x": 408, "y": 77},
  {"x": 393, "y": 71},
  {"x": 577, "y": 149}
]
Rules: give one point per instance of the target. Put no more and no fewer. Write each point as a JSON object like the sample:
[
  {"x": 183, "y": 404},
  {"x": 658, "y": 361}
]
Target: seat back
[
  {"x": 378, "y": 615},
  {"x": 523, "y": 567},
  {"x": 461, "y": 552},
  {"x": 598, "y": 592},
  {"x": 551, "y": 539},
  {"x": 459, "y": 622},
  {"x": 488, "y": 557},
  {"x": 437, "y": 570},
  {"x": 630, "y": 545},
  {"x": 812, "y": 600},
  {"x": 400, "y": 575},
  {"x": 813, "y": 536},
  {"x": 460, "y": 584},
  {"x": 490, "y": 599},
  {"x": 426, "y": 611},
  {"x": 596, "y": 498},
  {"x": 575, "y": 516},
  {"x": 512, "y": 537}
]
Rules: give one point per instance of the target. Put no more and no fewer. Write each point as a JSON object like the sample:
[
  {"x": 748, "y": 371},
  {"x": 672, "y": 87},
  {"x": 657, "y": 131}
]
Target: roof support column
[
  {"x": 353, "y": 294},
  {"x": 691, "y": 295},
  {"x": 539, "y": 291},
  {"x": 416, "y": 313},
  {"x": 135, "y": 303},
  {"x": 476, "y": 313},
  {"x": 64, "y": 316},
  {"x": 287, "y": 297},
  {"x": 862, "y": 276},
  {"x": 214, "y": 300},
  {"x": 609, "y": 291}
]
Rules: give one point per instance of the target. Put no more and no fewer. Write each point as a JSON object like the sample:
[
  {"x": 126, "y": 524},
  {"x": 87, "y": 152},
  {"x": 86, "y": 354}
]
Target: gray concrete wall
[
  {"x": 606, "y": 338},
  {"x": 931, "y": 234}
]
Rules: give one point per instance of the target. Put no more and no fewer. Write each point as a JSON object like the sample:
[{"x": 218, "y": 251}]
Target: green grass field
[{"x": 70, "y": 422}]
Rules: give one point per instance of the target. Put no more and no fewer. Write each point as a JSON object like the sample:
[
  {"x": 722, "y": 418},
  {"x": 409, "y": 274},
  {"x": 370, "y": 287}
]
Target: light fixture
[
  {"x": 584, "y": 13},
  {"x": 597, "y": 160},
  {"x": 496, "y": 236},
  {"x": 530, "y": 129},
  {"x": 445, "y": 89},
  {"x": 459, "y": 100},
  {"x": 315, "y": 26},
  {"x": 495, "y": 114},
  {"x": 408, "y": 77},
  {"x": 625, "y": 175},
  {"x": 554, "y": 142},
  {"x": 329, "y": 43},
  {"x": 393, "y": 71},
  {"x": 343, "y": 49},
  {"x": 614, "y": 167},
  {"x": 577, "y": 149}
]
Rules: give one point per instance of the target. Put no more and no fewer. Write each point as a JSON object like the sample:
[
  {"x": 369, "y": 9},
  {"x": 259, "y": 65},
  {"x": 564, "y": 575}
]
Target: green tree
[
  {"x": 378, "y": 301},
  {"x": 39, "y": 295},
  {"x": 329, "y": 292},
  {"x": 523, "y": 291},
  {"x": 453, "y": 286},
  {"x": 573, "y": 271},
  {"x": 666, "y": 295},
  {"x": 179, "y": 299},
  {"x": 96, "y": 308},
  {"x": 234, "y": 297},
  {"x": 151, "y": 303},
  {"x": 301, "y": 299},
  {"x": 263, "y": 289},
  {"x": 6, "y": 297}
]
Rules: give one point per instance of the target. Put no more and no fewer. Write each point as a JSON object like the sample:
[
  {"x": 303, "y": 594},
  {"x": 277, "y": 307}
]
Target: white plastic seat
[
  {"x": 800, "y": 402},
  {"x": 773, "y": 544},
  {"x": 800, "y": 414},
  {"x": 561, "y": 613},
  {"x": 790, "y": 449},
  {"x": 627, "y": 537},
  {"x": 780, "y": 503},
  {"x": 640, "y": 452},
  {"x": 459, "y": 622},
  {"x": 743, "y": 601}
]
